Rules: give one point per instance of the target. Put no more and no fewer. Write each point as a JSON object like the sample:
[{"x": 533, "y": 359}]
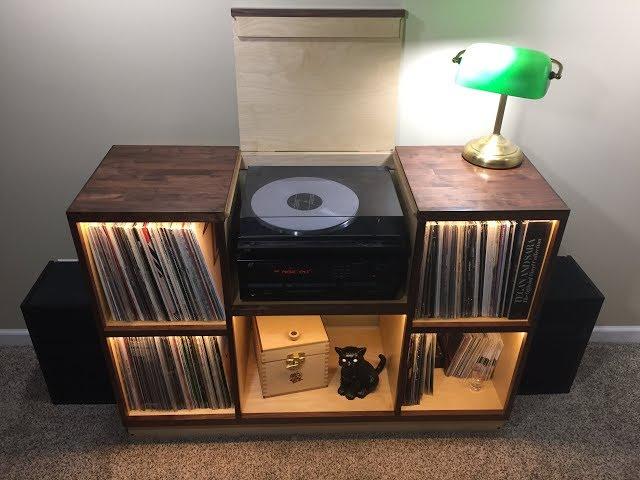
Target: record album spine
[
  {"x": 531, "y": 259},
  {"x": 484, "y": 268}
]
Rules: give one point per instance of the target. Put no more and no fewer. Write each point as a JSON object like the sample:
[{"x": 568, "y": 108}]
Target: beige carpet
[{"x": 592, "y": 433}]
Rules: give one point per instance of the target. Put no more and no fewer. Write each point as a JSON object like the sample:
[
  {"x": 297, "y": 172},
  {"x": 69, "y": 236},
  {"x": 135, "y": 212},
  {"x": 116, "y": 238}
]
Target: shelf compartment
[
  {"x": 208, "y": 244},
  {"x": 379, "y": 333},
  {"x": 500, "y": 260},
  {"x": 183, "y": 365},
  {"x": 475, "y": 324},
  {"x": 452, "y": 395}
]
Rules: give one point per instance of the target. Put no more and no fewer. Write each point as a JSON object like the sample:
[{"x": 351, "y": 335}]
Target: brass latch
[{"x": 295, "y": 360}]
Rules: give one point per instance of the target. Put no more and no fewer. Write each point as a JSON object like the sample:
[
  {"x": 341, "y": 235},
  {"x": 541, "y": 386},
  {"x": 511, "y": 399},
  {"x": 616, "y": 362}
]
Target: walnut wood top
[
  {"x": 442, "y": 181},
  {"x": 318, "y": 12},
  {"x": 161, "y": 183}
]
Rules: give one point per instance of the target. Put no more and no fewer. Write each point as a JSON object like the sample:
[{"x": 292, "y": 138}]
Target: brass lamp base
[{"x": 492, "y": 151}]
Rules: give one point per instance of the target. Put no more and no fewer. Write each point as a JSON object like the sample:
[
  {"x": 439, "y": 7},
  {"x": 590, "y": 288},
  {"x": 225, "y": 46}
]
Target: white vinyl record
[{"x": 305, "y": 204}]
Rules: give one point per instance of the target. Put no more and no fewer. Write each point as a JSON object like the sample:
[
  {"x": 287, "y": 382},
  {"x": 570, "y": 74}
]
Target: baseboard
[
  {"x": 616, "y": 334},
  {"x": 14, "y": 337}
]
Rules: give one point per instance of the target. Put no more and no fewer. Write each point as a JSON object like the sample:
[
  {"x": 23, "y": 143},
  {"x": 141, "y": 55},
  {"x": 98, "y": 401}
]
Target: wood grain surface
[
  {"x": 147, "y": 183},
  {"x": 317, "y": 94},
  {"x": 442, "y": 181}
]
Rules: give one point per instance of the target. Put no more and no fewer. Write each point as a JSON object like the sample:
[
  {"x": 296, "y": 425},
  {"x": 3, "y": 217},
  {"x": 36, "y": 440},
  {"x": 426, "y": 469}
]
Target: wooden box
[{"x": 292, "y": 353}]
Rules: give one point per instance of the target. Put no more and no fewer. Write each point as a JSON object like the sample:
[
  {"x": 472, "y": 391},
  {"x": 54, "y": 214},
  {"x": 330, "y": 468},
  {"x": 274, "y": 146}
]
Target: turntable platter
[{"x": 305, "y": 204}]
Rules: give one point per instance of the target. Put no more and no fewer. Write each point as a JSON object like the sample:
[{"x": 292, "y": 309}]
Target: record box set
[{"x": 320, "y": 233}]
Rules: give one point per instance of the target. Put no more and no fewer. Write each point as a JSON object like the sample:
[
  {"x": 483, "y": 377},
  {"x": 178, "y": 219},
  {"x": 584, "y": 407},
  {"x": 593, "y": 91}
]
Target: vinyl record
[{"x": 305, "y": 204}]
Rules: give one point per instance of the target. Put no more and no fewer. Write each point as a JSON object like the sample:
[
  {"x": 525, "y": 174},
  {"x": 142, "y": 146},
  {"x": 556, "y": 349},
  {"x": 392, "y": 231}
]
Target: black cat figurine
[{"x": 358, "y": 377}]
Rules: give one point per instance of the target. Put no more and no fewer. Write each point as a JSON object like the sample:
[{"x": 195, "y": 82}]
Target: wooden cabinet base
[{"x": 421, "y": 174}]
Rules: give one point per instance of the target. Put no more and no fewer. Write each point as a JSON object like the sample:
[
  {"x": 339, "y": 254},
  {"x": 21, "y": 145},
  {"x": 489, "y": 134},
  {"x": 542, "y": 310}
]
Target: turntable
[{"x": 320, "y": 233}]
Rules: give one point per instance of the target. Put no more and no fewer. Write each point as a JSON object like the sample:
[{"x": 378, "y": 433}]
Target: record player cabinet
[{"x": 318, "y": 87}]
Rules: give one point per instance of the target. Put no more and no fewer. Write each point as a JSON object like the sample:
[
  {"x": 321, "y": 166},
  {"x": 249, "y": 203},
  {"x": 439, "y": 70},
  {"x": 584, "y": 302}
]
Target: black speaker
[
  {"x": 64, "y": 335},
  {"x": 566, "y": 320}
]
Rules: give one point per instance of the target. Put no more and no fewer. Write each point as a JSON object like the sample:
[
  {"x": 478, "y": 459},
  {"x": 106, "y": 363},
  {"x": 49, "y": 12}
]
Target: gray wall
[{"x": 77, "y": 77}]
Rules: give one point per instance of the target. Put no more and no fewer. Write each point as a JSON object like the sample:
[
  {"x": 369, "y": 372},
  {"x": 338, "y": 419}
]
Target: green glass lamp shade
[
  {"x": 515, "y": 71},
  {"x": 520, "y": 72}
]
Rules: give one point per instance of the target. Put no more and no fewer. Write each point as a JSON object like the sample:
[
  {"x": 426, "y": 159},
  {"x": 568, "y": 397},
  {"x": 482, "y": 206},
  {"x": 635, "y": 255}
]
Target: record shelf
[
  {"x": 198, "y": 184},
  {"x": 157, "y": 184},
  {"x": 333, "y": 108}
]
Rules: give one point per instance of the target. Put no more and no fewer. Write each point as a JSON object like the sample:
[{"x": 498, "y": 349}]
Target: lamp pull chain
[{"x": 500, "y": 114}]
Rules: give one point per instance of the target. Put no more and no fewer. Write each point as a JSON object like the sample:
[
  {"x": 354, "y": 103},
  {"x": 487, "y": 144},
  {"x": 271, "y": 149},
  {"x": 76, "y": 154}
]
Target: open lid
[{"x": 317, "y": 80}]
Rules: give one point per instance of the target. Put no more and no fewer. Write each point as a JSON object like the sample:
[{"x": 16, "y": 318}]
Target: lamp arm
[
  {"x": 458, "y": 57},
  {"x": 557, "y": 75}
]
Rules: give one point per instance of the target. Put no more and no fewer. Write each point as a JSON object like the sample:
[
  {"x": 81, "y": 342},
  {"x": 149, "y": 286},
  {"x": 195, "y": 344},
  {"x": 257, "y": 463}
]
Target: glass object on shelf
[
  {"x": 480, "y": 372},
  {"x": 477, "y": 377}
]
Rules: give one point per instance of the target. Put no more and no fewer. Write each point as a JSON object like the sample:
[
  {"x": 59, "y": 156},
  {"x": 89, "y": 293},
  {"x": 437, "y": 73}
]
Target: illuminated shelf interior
[
  {"x": 550, "y": 242},
  {"x": 149, "y": 412},
  {"x": 380, "y": 334},
  {"x": 452, "y": 393},
  {"x": 210, "y": 251}
]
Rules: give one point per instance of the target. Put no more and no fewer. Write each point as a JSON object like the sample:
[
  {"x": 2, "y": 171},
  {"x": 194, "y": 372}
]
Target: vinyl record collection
[
  {"x": 153, "y": 271},
  {"x": 173, "y": 373},
  {"x": 479, "y": 350},
  {"x": 481, "y": 269},
  {"x": 421, "y": 363}
]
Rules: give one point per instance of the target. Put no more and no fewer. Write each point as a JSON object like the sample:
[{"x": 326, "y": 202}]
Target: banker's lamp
[{"x": 515, "y": 71}]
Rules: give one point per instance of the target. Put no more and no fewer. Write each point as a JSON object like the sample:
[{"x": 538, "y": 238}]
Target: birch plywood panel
[
  {"x": 317, "y": 94},
  {"x": 318, "y": 27},
  {"x": 255, "y": 159},
  {"x": 507, "y": 364}
]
